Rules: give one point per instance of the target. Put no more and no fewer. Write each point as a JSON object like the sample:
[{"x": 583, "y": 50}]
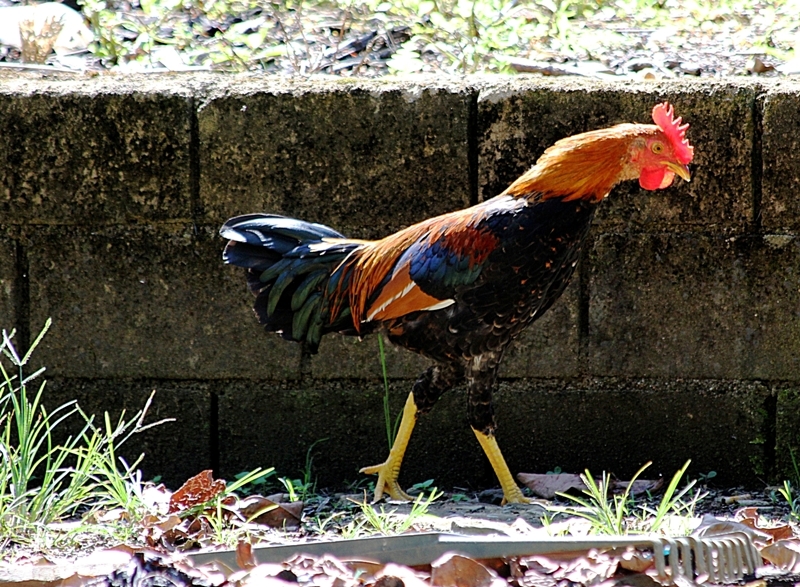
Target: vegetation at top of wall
[{"x": 375, "y": 37}]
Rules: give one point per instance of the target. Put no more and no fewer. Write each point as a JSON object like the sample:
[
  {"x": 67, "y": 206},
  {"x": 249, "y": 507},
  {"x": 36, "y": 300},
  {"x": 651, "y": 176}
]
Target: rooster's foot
[{"x": 387, "y": 481}]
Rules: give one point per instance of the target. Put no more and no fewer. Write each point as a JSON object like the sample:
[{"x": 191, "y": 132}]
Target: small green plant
[
  {"x": 795, "y": 467},
  {"x": 617, "y": 514},
  {"x": 421, "y": 487},
  {"x": 42, "y": 482},
  {"x": 391, "y": 429},
  {"x": 672, "y": 502},
  {"x": 303, "y": 489},
  {"x": 389, "y": 523},
  {"x": 706, "y": 477},
  {"x": 792, "y": 498}
]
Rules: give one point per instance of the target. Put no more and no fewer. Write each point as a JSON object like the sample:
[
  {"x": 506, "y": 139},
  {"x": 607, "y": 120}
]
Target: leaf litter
[{"x": 180, "y": 522}]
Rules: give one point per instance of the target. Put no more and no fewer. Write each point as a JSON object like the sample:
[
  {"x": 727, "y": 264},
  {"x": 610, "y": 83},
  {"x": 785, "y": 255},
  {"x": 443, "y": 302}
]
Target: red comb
[{"x": 662, "y": 116}]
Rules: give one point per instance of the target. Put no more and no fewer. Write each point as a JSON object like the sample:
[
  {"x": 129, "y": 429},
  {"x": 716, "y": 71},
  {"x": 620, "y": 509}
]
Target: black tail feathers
[{"x": 288, "y": 263}]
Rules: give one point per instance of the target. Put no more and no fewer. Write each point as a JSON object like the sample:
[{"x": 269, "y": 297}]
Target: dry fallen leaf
[
  {"x": 272, "y": 511},
  {"x": 455, "y": 570},
  {"x": 393, "y": 575},
  {"x": 635, "y": 560},
  {"x": 265, "y": 575},
  {"x": 784, "y": 554},
  {"x": 196, "y": 491},
  {"x": 245, "y": 557},
  {"x": 590, "y": 569},
  {"x": 749, "y": 517},
  {"x": 547, "y": 486}
]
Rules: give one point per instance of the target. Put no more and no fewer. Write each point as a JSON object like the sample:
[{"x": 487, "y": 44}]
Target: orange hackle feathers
[
  {"x": 675, "y": 132},
  {"x": 584, "y": 166}
]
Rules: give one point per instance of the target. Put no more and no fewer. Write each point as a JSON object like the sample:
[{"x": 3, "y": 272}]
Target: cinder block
[
  {"x": 695, "y": 306},
  {"x": 519, "y": 119},
  {"x": 669, "y": 306},
  {"x": 774, "y": 290},
  {"x": 618, "y": 426},
  {"x": 142, "y": 302},
  {"x": 787, "y": 445},
  {"x": 173, "y": 450},
  {"x": 94, "y": 156},
  {"x": 274, "y": 425},
  {"x": 780, "y": 210},
  {"x": 365, "y": 159},
  {"x": 8, "y": 283},
  {"x": 608, "y": 426}
]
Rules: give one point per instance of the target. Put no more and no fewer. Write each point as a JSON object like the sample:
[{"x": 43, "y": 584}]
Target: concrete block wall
[{"x": 678, "y": 338}]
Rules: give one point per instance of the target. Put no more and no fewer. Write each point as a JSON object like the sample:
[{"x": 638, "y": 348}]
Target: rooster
[{"x": 457, "y": 288}]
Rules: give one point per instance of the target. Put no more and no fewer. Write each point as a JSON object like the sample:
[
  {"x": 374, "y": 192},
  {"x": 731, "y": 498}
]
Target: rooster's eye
[{"x": 657, "y": 148}]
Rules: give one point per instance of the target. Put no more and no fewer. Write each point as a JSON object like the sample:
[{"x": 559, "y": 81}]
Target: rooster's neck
[{"x": 582, "y": 167}]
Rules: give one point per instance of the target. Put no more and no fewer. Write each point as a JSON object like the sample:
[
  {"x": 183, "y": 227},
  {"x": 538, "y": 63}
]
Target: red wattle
[{"x": 652, "y": 178}]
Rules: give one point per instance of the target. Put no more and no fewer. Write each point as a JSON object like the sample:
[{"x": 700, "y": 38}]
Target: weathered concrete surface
[
  {"x": 787, "y": 443},
  {"x": 519, "y": 120},
  {"x": 115, "y": 188},
  {"x": 336, "y": 155},
  {"x": 94, "y": 157},
  {"x": 735, "y": 315},
  {"x": 8, "y": 283},
  {"x": 780, "y": 207},
  {"x": 607, "y": 425},
  {"x": 174, "y": 450},
  {"x": 143, "y": 302}
]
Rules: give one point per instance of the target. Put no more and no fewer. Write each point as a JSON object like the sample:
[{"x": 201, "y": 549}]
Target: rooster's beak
[{"x": 679, "y": 170}]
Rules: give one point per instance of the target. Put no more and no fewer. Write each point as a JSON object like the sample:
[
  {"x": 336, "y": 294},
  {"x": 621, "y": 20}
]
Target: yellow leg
[
  {"x": 511, "y": 492},
  {"x": 389, "y": 470}
]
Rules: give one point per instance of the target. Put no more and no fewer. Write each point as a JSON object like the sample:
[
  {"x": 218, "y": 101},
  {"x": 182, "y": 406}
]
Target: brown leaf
[
  {"x": 163, "y": 523},
  {"x": 265, "y": 511},
  {"x": 324, "y": 571},
  {"x": 588, "y": 570},
  {"x": 635, "y": 560},
  {"x": 750, "y": 518},
  {"x": 196, "y": 491},
  {"x": 266, "y": 575},
  {"x": 393, "y": 575},
  {"x": 546, "y": 486},
  {"x": 585, "y": 570},
  {"x": 244, "y": 556},
  {"x": 784, "y": 554},
  {"x": 455, "y": 570}
]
